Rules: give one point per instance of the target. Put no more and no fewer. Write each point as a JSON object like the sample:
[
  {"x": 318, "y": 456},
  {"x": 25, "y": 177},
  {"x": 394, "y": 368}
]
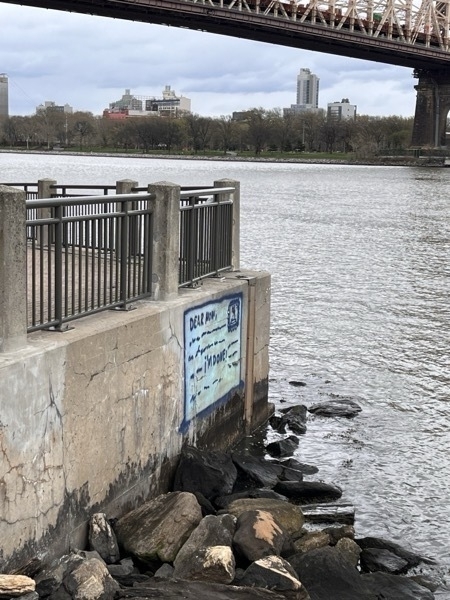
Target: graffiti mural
[{"x": 212, "y": 355}]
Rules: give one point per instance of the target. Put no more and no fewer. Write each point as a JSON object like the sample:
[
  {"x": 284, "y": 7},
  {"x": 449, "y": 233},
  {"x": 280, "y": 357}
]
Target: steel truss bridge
[{"x": 408, "y": 33}]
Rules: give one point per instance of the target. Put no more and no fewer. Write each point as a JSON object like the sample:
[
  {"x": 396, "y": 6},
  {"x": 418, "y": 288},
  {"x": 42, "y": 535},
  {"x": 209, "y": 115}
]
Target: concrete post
[
  {"x": 125, "y": 186},
  {"x": 166, "y": 239},
  {"x": 13, "y": 269},
  {"x": 44, "y": 191},
  {"x": 236, "y": 242}
]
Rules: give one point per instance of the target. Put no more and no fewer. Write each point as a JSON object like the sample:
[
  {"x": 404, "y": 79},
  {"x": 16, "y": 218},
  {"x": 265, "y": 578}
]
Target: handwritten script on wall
[{"x": 212, "y": 354}]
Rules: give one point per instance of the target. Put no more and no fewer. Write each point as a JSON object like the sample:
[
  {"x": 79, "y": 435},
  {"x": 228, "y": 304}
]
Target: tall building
[
  {"x": 307, "y": 89},
  {"x": 147, "y": 106},
  {"x": 341, "y": 111},
  {"x": 307, "y": 93},
  {"x": 52, "y": 106},
  {"x": 4, "y": 106}
]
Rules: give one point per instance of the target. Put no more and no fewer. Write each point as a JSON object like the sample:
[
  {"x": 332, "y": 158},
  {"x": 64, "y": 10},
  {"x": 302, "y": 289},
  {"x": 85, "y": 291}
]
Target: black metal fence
[
  {"x": 81, "y": 261},
  {"x": 92, "y": 253},
  {"x": 206, "y": 233}
]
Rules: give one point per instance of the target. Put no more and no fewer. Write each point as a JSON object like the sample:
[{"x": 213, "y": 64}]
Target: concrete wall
[{"x": 93, "y": 419}]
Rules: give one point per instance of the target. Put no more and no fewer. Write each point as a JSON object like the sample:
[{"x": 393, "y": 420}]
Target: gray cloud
[{"x": 89, "y": 61}]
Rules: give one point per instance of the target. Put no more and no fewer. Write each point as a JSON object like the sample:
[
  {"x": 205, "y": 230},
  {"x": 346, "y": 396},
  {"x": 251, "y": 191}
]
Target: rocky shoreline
[{"x": 242, "y": 525}]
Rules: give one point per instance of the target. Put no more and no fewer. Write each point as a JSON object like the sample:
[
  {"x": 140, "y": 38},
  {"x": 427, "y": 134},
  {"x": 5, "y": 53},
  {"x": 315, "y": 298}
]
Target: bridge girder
[{"x": 400, "y": 33}]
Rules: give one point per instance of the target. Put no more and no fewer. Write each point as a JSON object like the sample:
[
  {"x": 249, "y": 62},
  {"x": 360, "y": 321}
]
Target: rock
[
  {"x": 255, "y": 472},
  {"x": 350, "y": 550},
  {"x": 304, "y": 468},
  {"x": 159, "y": 528},
  {"x": 103, "y": 539},
  {"x": 50, "y": 579},
  {"x": 124, "y": 568},
  {"x": 329, "y": 513},
  {"x": 13, "y": 586},
  {"x": 412, "y": 559},
  {"x": 199, "y": 590},
  {"x": 165, "y": 572},
  {"x": 222, "y": 502},
  {"x": 337, "y": 533},
  {"x": 274, "y": 573},
  {"x": 295, "y": 418},
  {"x": 337, "y": 406},
  {"x": 296, "y": 383},
  {"x": 205, "y": 504},
  {"x": 284, "y": 447},
  {"x": 258, "y": 535},
  {"x": 205, "y": 556},
  {"x": 327, "y": 575},
  {"x": 380, "y": 559},
  {"x": 90, "y": 581},
  {"x": 395, "y": 587},
  {"x": 310, "y": 541},
  {"x": 209, "y": 473},
  {"x": 289, "y": 516},
  {"x": 304, "y": 492}
]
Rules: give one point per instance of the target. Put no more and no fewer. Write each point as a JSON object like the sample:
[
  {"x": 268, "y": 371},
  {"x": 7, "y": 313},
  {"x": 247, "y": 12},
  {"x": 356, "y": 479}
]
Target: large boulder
[
  {"x": 289, "y": 516},
  {"x": 295, "y": 418},
  {"x": 327, "y": 575},
  {"x": 284, "y": 447},
  {"x": 90, "y": 581},
  {"x": 207, "y": 554},
  {"x": 255, "y": 493},
  {"x": 395, "y": 587},
  {"x": 411, "y": 558},
  {"x": 159, "y": 528},
  {"x": 103, "y": 539},
  {"x": 257, "y": 535},
  {"x": 274, "y": 573},
  {"x": 209, "y": 473},
  {"x": 304, "y": 492},
  {"x": 380, "y": 559},
  {"x": 254, "y": 471}
]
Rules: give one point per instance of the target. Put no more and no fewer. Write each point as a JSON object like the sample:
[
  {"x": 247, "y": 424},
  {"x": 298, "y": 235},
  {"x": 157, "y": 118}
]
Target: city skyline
[{"x": 228, "y": 74}]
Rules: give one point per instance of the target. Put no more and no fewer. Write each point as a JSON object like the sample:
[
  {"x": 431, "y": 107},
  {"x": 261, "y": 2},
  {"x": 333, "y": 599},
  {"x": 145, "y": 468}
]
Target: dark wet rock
[
  {"x": 210, "y": 473},
  {"x": 198, "y": 590},
  {"x": 412, "y": 558},
  {"x": 254, "y": 471},
  {"x": 206, "y": 506},
  {"x": 292, "y": 463},
  {"x": 91, "y": 580},
  {"x": 295, "y": 418},
  {"x": 223, "y": 501},
  {"x": 327, "y": 575},
  {"x": 337, "y": 533},
  {"x": 283, "y": 447},
  {"x": 258, "y": 534},
  {"x": 297, "y": 383},
  {"x": 339, "y": 406},
  {"x": 329, "y": 513},
  {"x": 303, "y": 492},
  {"x": 207, "y": 554},
  {"x": 159, "y": 528},
  {"x": 50, "y": 579},
  {"x": 278, "y": 424},
  {"x": 274, "y": 573},
  {"x": 289, "y": 516},
  {"x": 380, "y": 559},
  {"x": 102, "y": 538},
  {"x": 124, "y": 568},
  {"x": 132, "y": 579},
  {"x": 395, "y": 587}
]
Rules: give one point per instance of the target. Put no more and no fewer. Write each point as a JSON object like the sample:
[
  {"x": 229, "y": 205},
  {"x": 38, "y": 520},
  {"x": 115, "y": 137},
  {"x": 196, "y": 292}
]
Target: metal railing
[
  {"x": 206, "y": 233},
  {"x": 81, "y": 262}
]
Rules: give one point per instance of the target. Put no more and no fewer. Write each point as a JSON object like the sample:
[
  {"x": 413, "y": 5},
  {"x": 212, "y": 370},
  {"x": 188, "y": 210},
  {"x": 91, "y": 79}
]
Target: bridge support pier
[{"x": 432, "y": 106}]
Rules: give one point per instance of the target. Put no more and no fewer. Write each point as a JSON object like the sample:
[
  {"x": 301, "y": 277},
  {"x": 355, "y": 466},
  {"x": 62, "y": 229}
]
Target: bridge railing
[{"x": 85, "y": 254}]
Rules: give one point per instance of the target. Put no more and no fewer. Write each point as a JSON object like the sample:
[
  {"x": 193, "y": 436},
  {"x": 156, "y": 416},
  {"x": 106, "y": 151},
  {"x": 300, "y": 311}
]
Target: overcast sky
[{"x": 88, "y": 62}]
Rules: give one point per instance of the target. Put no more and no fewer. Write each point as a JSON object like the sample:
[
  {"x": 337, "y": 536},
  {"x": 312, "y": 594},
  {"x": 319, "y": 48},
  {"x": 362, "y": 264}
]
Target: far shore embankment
[{"x": 383, "y": 161}]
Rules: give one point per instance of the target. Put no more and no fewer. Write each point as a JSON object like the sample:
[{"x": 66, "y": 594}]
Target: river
[{"x": 360, "y": 268}]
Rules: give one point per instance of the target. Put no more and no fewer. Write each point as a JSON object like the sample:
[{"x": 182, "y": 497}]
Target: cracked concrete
[{"x": 89, "y": 418}]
